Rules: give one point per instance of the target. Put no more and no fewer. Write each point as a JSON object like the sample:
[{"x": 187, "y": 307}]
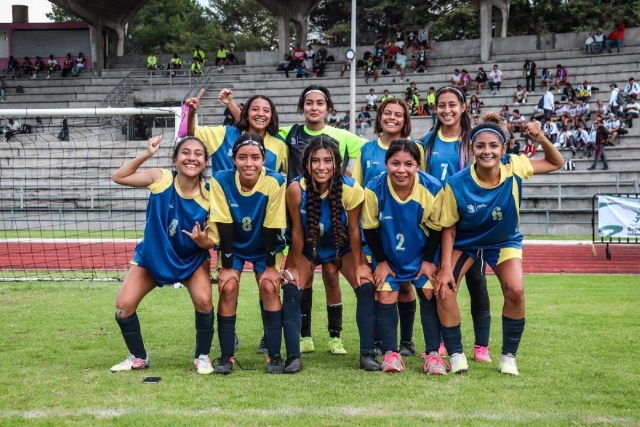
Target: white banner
[{"x": 618, "y": 216}]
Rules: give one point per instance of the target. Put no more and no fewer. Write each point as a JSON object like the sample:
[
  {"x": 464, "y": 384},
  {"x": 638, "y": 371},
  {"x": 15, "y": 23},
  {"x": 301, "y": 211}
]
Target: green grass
[
  {"x": 578, "y": 364},
  {"x": 72, "y": 234}
]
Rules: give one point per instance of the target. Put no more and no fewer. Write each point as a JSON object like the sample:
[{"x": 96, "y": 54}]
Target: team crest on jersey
[
  {"x": 230, "y": 152},
  {"x": 471, "y": 208},
  {"x": 173, "y": 227}
]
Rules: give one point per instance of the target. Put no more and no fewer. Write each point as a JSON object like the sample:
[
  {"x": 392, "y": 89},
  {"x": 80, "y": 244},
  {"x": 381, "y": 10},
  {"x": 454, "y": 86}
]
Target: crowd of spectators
[{"x": 32, "y": 68}]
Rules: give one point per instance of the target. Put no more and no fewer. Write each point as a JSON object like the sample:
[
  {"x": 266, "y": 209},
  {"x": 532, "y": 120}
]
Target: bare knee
[
  {"x": 269, "y": 294},
  {"x": 514, "y": 294},
  {"x": 123, "y": 311},
  {"x": 203, "y": 303}
]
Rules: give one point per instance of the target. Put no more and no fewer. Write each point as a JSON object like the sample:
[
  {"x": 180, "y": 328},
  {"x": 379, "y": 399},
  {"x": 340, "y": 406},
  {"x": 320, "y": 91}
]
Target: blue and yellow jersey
[
  {"x": 352, "y": 196},
  {"x": 165, "y": 251},
  {"x": 370, "y": 162},
  {"x": 445, "y": 157},
  {"x": 486, "y": 218},
  {"x": 264, "y": 206},
  {"x": 402, "y": 224},
  {"x": 219, "y": 141}
]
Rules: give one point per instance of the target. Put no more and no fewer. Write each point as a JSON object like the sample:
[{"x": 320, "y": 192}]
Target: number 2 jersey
[
  {"x": 402, "y": 224},
  {"x": 165, "y": 251},
  {"x": 486, "y": 218}
]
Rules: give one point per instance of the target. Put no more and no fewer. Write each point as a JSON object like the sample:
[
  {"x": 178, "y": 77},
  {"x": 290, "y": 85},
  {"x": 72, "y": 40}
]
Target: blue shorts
[
  {"x": 393, "y": 283},
  {"x": 324, "y": 255},
  {"x": 138, "y": 261},
  {"x": 497, "y": 256},
  {"x": 259, "y": 265}
]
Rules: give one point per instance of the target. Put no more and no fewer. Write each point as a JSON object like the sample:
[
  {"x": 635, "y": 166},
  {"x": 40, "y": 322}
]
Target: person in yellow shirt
[
  {"x": 199, "y": 53},
  {"x": 152, "y": 61},
  {"x": 196, "y": 67},
  {"x": 430, "y": 105},
  {"x": 221, "y": 58}
]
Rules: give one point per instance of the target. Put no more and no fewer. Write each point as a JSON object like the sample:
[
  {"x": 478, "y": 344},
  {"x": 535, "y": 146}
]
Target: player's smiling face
[
  {"x": 259, "y": 116},
  {"x": 392, "y": 119},
  {"x": 402, "y": 168},
  {"x": 449, "y": 109},
  {"x": 190, "y": 158},
  {"x": 322, "y": 166},
  {"x": 488, "y": 150},
  {"x": 249, "y": 161},
  {"x": 315, "y": 108}
]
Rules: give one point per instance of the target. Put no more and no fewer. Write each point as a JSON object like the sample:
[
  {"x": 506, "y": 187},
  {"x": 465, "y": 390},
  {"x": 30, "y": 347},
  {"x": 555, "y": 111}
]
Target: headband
[
  {"x": 458, "y": 91},
  {"x": 247, "y": 142},
  {"x": 487, "y": 127},
  {"x": 316, "y": 91}
]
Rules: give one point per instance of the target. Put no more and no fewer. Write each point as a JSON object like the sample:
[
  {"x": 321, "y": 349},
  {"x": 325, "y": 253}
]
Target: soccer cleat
[
  {"x": 224, "y": 365},
  {"x": 131, "y": 363},
  {"x": 262, "y": 348},
  {"x": 369, "y": 363},
  {"x": 336, "y": 347},
  {"x": 481, "y": 353},
  {"x": 434, "y": 364},
  {"x": 392, "y": 362},
  {"x": 507, "y": 365},
  {"x": 377, "y": 348},
  {"x": 293, "y": 365},
  {"x": 407, "y": 348},
  {"x": 203, "y": 365},
  {"x": 236, "y": 343},
  {"x": 306, "y": 345},
  {"x": 442, "y": 350},
  {"x": 275, "y": 365},
  {"x": 459, "y": 364}
]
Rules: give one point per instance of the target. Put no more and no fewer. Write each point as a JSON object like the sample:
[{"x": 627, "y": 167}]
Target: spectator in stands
[
  {"x": 547, "y": 102},
  {"x": 221, "y": 58},
  {"x": 529, "y": 72},
  {"x": 632, "y": 88},
  {"x": 513, "y": 147},
  {"x": 141, "y": 128},
  {"x": 26, "y": 67},
  {"x": 564, "y": 138},
  {"x": 346, "y": 121},
  {"x": 52, "y": 65},
  {"x": 632, "y": 110},
  {"x": 430, "y": 105},
  {"x": 366, "y": 118},
  {"x": 14, "y": 128},
  {"x": 538, "y": 111},
  {"x": 408, "y": 92},
  {"x": 414, "y": 103},
  {"x": 475, "y": 106},
  {"x": 399, "y": 35},
  {"x": 598, "y": 41},
  {"x": 551, "y": 129},
  {"x": 466, "y": 82},
  {"x": 385, "y": 96},
  {"x": 601, "y": 138},
  {"x": 545, "y": 80},
  {"x": 412, "y": 39},
  {"x": 588, "y": 42},
  {"x": 517, "y": 123},
  {"x": 568, "y": 93},
  {"x": 421, "y": 63},
  {"x": 228, "y": 120},
  {"x": 199, "y": 53},
  {"x": 476, "y": 121},
  {"x": 152, "y": 61},
  {"x": 584, "y": 91},
  {"x": 561, "y": 112},
  {"x": 573, "y": 113},
  {"x": 613, "y": 126},
  {"x": 174, "y": 64},
  {"x": 346, "y": 65},
  {"x": 37, "y": 66},
  {"x": 392, "y": 51},
  {"x": 372, "y": 100},
  {"x": 599, "y": 135},
  {"x": 423, "y": 35},
  {"x": 196, "y": 67},
  {"x": 3, "y": 89},
  {"x": 481, "y": 80},
  {"x": 581, "y": 139},
  {"x": 456, "y": 78},
  {"x": 562, "y": 75},
  {"x": 80, "y": 63},
  {"x": 584, "y": 112},
  {"x": 530, "y": 149},
  {"x": 232, "y": 58},
  {"x": 370, "y": 70},
  {"x": 602, "y": 111},
  {"x": 298, "y": 54},
  {"x": 615, "y": 37},
  {"x": 12, "y": 66},
  {"x": 360, "y": 126},
  {"x": 286, "y": 65},
  {"x": 302, "y": 71},
  {"x": 379, "y": 54},
  {"x": 309, "y": 56},
  {"x": 520, "y": 95},
  {"x": 321, "y": 61},
  {"x": 333, "y": 118},
  {"x": 614, "y": 105},
  {"x": 67, "y": 65},
  {"x": 495, "y": 80},
  {"x": 504, "y": 112},
  {"x": 401, "y": 64}
]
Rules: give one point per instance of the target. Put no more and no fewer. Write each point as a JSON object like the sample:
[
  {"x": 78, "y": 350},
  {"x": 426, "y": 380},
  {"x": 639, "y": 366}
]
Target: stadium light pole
[{"x": 352, "y": 93}]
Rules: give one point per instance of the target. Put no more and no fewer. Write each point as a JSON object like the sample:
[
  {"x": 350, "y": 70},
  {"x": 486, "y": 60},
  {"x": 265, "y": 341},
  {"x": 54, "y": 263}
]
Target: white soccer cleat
[
  {"x": 203, "y": 365},
  {"x": 507, "y": 365},
  {"x": 131, "y": 363}
]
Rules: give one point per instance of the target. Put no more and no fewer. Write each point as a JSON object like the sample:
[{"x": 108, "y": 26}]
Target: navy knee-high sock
[
  {"x": 204, "y": 332},
  {"x": 512, "y": 330},
  {"x": 481, "y": 326},
  {"x": 430, "y": 323},
  {"x": 387, "y": 317},
  {"x": 273, "y": 328},
  {"x": 227, "y": 335},
  {"x": 291, "y": 319},
  {"x": 334, "y": 320},
  {"x": 306, "y": 304},
  {"x": 452, "y": 338},
  {"x": 130, "y": 328},
  {"x": 407, "y": 313},
  {"x": 366, "y": 316},
  {"x": 480, "y": 304}
]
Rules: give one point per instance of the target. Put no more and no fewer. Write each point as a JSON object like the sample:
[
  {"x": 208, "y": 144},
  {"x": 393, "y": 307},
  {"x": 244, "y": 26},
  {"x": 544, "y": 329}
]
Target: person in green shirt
[
  {"x": 385, "y": 96},
  {"x": 152, "y": 61},
  {"x": 430, "y": 105},
  {"x": 415, "y": 103},
  {"x": 196, "y": 67},
  {"x": 221, "y": 58},
  {"x": 199, "y": 53}
]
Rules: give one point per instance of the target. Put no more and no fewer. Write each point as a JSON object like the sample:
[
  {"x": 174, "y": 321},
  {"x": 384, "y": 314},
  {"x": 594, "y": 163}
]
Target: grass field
[{"x": 578, "y": 364}]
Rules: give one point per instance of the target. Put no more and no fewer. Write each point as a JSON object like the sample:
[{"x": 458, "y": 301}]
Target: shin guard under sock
[
  {"x": 227, "y": 335},
  {"x": 273, "y": 326},
  {"x": 430, "y": 324},
  {"x": 366, "y": 316},
  {"x": 512, "y": 330},
  {"x": 130, "y": 328},
  {"x": 452, "y": 338},
  {"x": 407, "y": 313},
  {"x": 204, "y": 333},
  {"x": 306, "y": 304},
  {"x": 387, "y": 320},
  {"x": 291, "y": 319},
  {"x": 334, "y": 320}
]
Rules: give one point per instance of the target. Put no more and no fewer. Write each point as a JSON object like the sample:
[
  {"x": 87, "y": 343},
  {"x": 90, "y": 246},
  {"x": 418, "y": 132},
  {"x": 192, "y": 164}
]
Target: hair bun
[{"x": 492, "y": 117}]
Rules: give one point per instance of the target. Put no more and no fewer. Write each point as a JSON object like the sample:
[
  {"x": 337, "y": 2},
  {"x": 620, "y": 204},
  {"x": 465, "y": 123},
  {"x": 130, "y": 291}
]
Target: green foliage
[
  {"x": 59, "y": 14},
  {"x": 246, "y": 24}
]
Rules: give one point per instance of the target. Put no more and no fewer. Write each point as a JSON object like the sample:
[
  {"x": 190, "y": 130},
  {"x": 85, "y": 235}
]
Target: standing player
[
  {"x": 480, "y": 220},
  {"x": 448, "y": 150},
  {"x": 400, "y": 221},
  {"x": 324, "y": 212},
  {"x": 168, "y": 253},
  {"x": 248, "y": 210}
]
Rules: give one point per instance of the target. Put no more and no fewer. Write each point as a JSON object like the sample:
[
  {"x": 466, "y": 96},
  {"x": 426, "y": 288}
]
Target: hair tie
[
  {"x": 247, "y": 142},
  {"x": 485, "y": 128},
  {"x": 316, "y": 91}
]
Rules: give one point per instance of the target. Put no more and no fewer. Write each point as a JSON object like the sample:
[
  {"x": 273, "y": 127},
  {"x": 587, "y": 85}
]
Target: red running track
[{"x": 538, "y": 258}]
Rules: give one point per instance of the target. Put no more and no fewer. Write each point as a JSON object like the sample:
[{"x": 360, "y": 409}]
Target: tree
[
  {"x": 59, "y": 14},
  {"x": 246, "y": 24}
]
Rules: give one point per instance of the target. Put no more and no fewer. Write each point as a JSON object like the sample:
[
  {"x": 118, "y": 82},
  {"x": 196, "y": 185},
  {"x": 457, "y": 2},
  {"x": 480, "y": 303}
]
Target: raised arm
[
  {"x": 194, "y": 104},
  {"x": 226, "y": 97},
  {"x": 552, "y": 160},
  {"x": 128, "y": 173}
]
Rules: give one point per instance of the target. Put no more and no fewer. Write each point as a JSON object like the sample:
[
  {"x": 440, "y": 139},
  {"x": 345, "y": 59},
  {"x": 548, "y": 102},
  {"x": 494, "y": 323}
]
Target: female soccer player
[
  {"x": 168, "y": 253},
  {"x": 480, "y": 219},
  {"x": 447, "y": 150},
  {"x": 248, "y": 210},
  {"x": 324, "y": 211},
  {"x": 400, "y": 221},
  {"x": 393, "y": 121}
]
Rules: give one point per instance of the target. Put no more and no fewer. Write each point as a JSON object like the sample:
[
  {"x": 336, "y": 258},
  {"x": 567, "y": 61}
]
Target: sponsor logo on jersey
[
  {"x": 173, "y": 227},
  {"x": 233, "y": 205},
  {"x": 230, "y": 152}
]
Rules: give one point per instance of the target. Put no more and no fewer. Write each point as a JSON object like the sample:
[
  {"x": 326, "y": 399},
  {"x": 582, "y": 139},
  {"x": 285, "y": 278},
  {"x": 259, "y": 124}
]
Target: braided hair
[
  {"x": 314, "y": 200},
  {"x": 465, "y": 153}
]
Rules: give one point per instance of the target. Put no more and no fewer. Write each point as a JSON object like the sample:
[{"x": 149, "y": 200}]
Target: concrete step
[
  {"x": 549, "y": 202},
  {"x": 560, "y": 190},
  {"x": 555, "y": 221}
]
